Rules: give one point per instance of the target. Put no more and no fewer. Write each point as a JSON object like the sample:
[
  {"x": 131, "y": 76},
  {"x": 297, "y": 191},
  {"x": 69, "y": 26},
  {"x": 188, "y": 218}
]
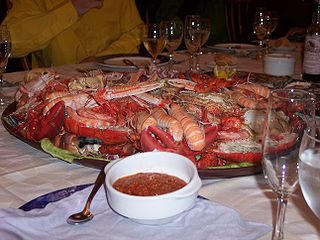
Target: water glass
[{"x": 309, "y": 168}]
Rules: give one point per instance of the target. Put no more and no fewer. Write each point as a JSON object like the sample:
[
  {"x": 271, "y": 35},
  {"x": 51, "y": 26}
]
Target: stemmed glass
[
  {"x": 153, "y": 40},
  {"x": 5, "y": 52},
  {"x": 172, "y": 31},
  {"x": 192, "y": 38},
  {"x": 289, "y": 113},
  {"x": 309, "y": 168},
  {"x": 205, "y": 28},
  {"x": 260, "y": 25},
  {"x": 273, "y": 20}
]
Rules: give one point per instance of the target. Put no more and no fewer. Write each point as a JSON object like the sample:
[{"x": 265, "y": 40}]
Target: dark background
[{"x": 292, "y": 13}]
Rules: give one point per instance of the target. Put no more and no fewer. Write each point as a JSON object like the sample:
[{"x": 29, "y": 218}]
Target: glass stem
[
  {"x": 267, "y": 42},
  {"x": 193, "y": 62},
  {"x": 171, "y": 60},
  {"x": 154, "y": 60},
  {"x": 259, "y": 51},
  {"x": 197, "y": 60},
  {"x": 281, "y": 214},
  {"x": 153, "y": 65}
]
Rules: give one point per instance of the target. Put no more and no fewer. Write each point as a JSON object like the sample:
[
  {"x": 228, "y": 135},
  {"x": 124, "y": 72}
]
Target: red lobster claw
[
  {"x": 50, "y": 125},
  {"x": 162, "y": 141},
  {"x": 155, "y": 138},
  {"x": 211, "y": 133}
]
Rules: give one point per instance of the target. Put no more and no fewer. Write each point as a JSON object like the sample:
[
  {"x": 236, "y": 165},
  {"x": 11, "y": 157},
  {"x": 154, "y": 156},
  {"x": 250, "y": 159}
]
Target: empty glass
[{"x": 290, "y": 112}]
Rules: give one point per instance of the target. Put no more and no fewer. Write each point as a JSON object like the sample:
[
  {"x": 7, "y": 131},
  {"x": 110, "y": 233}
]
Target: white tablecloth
[{"x": 26, "y": 173}]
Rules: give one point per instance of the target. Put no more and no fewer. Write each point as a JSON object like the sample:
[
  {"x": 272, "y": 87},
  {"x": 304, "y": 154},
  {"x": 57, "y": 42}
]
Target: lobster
[{"x": 37, "y": 126}]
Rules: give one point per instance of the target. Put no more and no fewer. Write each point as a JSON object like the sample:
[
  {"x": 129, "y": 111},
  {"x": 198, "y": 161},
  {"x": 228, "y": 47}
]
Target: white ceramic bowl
[
  {"x": 279, "y": 64},
  {"x": 153, "y": 209}
]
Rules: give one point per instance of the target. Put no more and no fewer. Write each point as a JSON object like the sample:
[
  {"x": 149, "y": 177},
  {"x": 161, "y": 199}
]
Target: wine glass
[
  {"x": 205, "y": 28},
  {"x": 309, "y": 168},
  {"x": 260, "y": 27},
  {"x": 172, "y": 31},
  {"x": 273, "y": 20},
  {"x": 289, "y": 113},
  {"x": 192, "y": 38},
  {"x": 5, "y": 52},
  {"x": 153, "y": 40}
]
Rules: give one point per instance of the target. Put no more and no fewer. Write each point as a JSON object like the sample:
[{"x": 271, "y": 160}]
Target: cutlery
[
  {"x": 4, "y": 83},
  {"x": 130, "y": 63},
  {"x": 85, "y": 215}
]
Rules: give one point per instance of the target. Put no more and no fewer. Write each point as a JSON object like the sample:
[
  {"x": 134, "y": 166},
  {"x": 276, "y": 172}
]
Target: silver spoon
[{"x": 85, "y": 215}]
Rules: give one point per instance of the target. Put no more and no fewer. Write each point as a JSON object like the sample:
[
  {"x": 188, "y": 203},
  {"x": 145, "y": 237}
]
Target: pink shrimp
[
  {"x": 166, "y": 121},
  {"x": 194, "y": 135},
  {"x": 142, "y": 120},
  {"x": 256, "y": 89},
  {"x": 248, "y": 102}
]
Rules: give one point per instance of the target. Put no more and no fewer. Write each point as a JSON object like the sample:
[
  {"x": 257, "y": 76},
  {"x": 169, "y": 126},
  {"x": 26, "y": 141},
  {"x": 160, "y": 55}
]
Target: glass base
[{"x": 5, "y": 101}]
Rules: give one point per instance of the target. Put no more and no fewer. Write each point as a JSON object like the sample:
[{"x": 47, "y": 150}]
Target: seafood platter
[{"x": 102, "y": 116}]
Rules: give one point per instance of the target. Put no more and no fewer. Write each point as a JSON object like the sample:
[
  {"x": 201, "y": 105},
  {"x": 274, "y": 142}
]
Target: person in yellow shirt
[{"x": 71, "y": 31}]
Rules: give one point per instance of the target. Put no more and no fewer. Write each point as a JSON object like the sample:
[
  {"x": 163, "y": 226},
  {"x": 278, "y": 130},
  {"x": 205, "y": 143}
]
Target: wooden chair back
[{"x": 238, "y": 20}]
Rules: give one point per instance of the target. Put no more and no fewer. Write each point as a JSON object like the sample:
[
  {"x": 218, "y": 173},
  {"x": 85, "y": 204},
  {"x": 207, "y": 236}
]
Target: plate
[
  {"x": 116, "y": 62},
  {"x": 43, "y": 200},
  {"x": 236, "y": 48},
  {"x": 203, "y": 173},
  {"x": 283, "y": 49},
  {"x": 269, "y": 80}
]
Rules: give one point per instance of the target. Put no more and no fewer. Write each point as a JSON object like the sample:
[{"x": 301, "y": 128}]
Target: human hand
[{"x": 83, "y": 6}]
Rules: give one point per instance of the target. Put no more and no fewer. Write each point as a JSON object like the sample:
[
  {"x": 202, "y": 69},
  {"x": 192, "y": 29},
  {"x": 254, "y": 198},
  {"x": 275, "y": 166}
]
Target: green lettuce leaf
[{"x": 63, "y": 154}]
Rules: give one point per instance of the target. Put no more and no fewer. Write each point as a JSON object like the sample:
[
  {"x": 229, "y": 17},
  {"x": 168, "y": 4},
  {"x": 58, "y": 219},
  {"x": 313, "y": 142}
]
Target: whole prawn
[
  {"x": 195, "y": 137},
  {"x": 256, "y": 89},
  {"x": 142, "y": 120},
  {"x": 166, "y": 121},
  {"x": 248, "y": 102}
]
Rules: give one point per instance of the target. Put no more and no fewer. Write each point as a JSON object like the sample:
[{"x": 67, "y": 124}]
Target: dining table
[{"x": 27, "y": 173}]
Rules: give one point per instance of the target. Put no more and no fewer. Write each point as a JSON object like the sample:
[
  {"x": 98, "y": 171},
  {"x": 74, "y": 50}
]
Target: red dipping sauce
[{"x": 148, "y": 184}]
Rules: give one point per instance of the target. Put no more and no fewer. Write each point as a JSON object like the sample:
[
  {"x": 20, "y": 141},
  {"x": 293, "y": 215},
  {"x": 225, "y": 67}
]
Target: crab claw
[{"x": 50, "y": 125}]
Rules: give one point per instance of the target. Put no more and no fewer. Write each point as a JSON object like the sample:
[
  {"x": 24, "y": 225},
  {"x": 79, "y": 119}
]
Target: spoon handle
[
  {"x": 130, "y": 63},
  {"x": 97, "y": 184}
]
